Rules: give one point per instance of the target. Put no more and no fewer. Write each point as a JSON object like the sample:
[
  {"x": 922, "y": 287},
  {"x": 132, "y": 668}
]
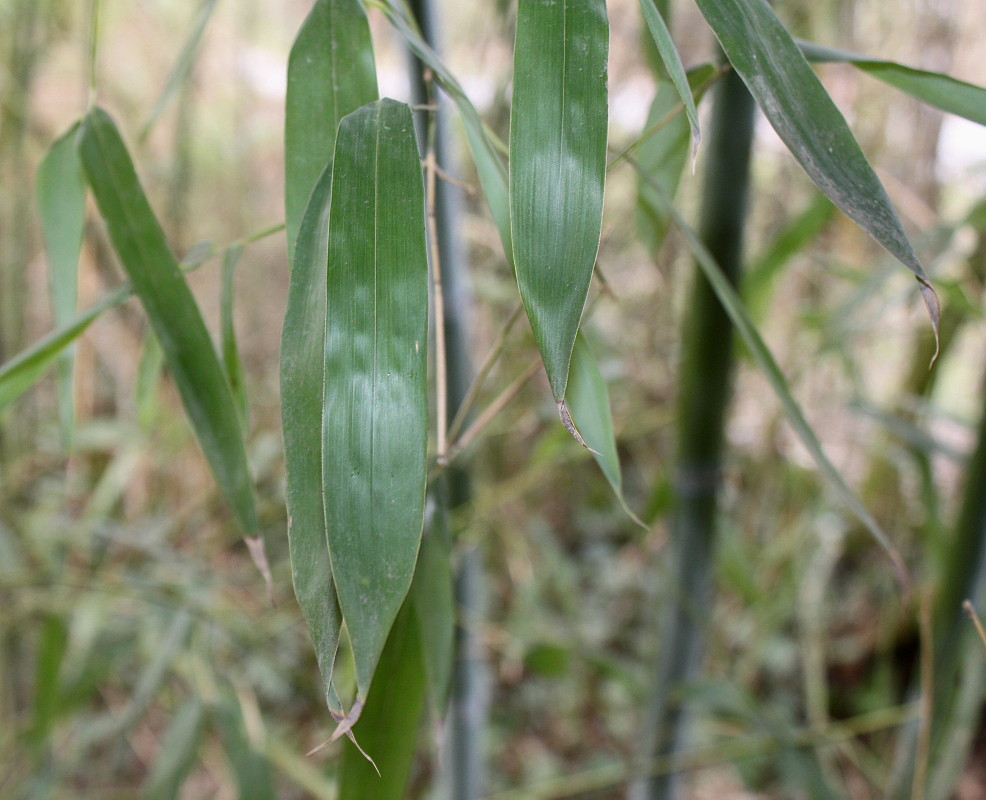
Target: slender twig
[
  {"x": 491, "y": 358},
  {"x": 970, "y": 609},
  {"x": 93, "y": 48},
  {"x": 491, "y": 411}
]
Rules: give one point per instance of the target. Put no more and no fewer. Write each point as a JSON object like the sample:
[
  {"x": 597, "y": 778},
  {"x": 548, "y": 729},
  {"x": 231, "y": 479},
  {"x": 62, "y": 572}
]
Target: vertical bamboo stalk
[
  {"x": 463, "y": 769},
  {"x": 703, "y": 401}
]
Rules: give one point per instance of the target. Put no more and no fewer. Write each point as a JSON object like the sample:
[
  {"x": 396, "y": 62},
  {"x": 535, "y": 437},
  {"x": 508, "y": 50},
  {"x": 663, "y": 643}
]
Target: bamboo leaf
[
  {"x": 388, "y": 730},
  {"x": 62, "y": 208},
  {"x": 806, "y": 119},
  {"x": 183, "y": 65},
  {"x": 588, "y": 400},
  {"x": 177, "y": 753},
  {"x": 663, "y": 152},
  {"x": 330, "y": 73},
  {"x": 251, "y": 769},
  {"x": 22, "y": 371},
  {"x": 768, "y": 367},
  {"x": 558, "y": 130},
  {"x": 375, "y": 411},
  {"x": 157, "y": 281},
  {"x": 434, "y": 606},
  {"x": 954, "y": 96},
  {"x": 302, "y": 376},
  {"x": 672, "y": 63},
  {"x": 227, "y": 333},
  {"x": 489, "y": 165}
]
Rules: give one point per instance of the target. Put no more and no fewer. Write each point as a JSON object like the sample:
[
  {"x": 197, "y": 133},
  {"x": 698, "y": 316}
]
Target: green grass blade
[
  {"x": 22, "y": 371},
  {"x": 663, "y": 152},
  {"x": 388, "y": 730},
  {"x": 330, "y": 73},
  {"x": 954, "y": 96},
  {"x": 804, "y": 116},
  {"x": 232, "y": 365},
  {"x": 157, "y": 281},
  {"x": 489, "y": 165},
  {"x": 53, "y": 639},
  {"x": 251, "y": 769},
  {"x": 61, "y": 195},
  {"x": 177, "y": 753},
  {"x": 768, "y": 366},
  {"x": 183, "y": 66},
  {"x": 375, "y": 421},
  {"x": 302, "y": 376},
  {"x": 588, "y": 401},
  {"x": 672, "y": 63},
  {"x": 558, "y": 130}
]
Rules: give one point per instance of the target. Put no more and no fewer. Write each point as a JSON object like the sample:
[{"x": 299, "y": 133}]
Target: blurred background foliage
[{"x": 139, "y": 654}]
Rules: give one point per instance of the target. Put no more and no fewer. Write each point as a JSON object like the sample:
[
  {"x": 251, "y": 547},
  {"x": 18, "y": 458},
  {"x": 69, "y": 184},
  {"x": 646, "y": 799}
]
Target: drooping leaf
[
  {"x": 588, "y": 401},
  {"x": 388, "y": 729},
  {"x": 954, "y": 96},
  {"x": 183, "y": 65},
  {"x": 302, "y": 377},
  {"x": 558, "y": 134},
  {"x": 764, "y": 360},
  {"x": 157, "y": 281},
  {"x": 177, "y": 753},
  {"x": 794, "y": 101},
  {"x": 434, "y": 606},
  {"x": 663, "y": 152},
  {"x": 227, "y": 333},
  {"x": 672, "y": 63},
  {"x": 62, "y": 208},
  {"x": 22, "y": 371},
  {"x": 330, "y": 73},
  {"x": 375, "y": 411},
  {"x": 489, "y": 165}
]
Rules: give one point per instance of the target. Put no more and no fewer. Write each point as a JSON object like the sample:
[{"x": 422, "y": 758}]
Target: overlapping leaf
[
  {"x": 157, "y": 281},
  {"x": 558, "y": 134},
  {"x": 806, "y": 119},
  {"x": 62, "y": 206},
  {"x": 375, "y": 411},
  {"x": 330, "y": 73}
]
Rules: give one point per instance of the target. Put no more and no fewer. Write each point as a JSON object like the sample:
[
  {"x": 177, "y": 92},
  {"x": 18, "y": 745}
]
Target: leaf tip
[
  {"x": 258, "y": 554},
  {"x": 933, "y": 304},
  {"x": 569, "y": 423}
]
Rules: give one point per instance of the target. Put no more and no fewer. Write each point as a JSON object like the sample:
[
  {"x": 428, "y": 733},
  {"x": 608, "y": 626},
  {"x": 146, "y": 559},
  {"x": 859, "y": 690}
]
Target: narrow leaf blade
[
  {"x": 157, "y": 281},
  {"x": 558, "y": 135},
  {"x": 330, "y": 73},
  {"x": 941, "y": 91},
  {"x": 61, "y": 195},
  {"x": 672, "y": 63},
  {"x": 807, "y": 120},
  {"x": 375, "y": 413},
  {"x": 232, "y": 365},
  {"x": 302, "y": 376}
]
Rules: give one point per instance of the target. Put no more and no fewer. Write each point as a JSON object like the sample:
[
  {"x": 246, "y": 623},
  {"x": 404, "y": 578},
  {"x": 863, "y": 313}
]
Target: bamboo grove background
[{"x": 140, "y": 653}]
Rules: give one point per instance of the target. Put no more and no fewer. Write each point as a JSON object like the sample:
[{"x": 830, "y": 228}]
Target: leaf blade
[
  {"x": 157, "y": 281},
  {"x": 375, "y": 346},
  {"x": 331, "y": 72},
  {"x": 797, "y": 106},
  {"x": 558, "y": 137}
]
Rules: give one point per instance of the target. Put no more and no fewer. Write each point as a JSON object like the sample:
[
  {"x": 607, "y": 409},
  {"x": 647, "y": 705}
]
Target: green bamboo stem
[
  {"x": 463, "y": 775},
  {"x": 704, "y": 394}
]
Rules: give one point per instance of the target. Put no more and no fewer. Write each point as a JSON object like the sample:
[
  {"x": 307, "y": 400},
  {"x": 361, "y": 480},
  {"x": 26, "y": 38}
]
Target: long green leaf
[
  {"x": 558, "y": 130},
  {"x": 62, "y": 206},
  {"x": 768, "y": 366},
  {"x": 376, "y": 411},
  {"x": 672, "y": 63},
  {"x": 23, "y": 370},
  {"x": 251, "y": 769},
  {"x": 330, "y": 73},
  {"x": 804, "y": 116},
  {"x": 663, "y": 151},
  {"x": 177, "y": 753},
  {"x": 302, "y": 376},
  {"x": 951, "y": 95},
  {"x": 489, "y": 165},
  {"x": 232, "y": 365},
  {"x": 183, "y": 65},
  {"x": 588, "y": 401},
  {"x": 388, "y": 731},
  {"x": 157, "y": 281},
  {"x": 434, "y": 606}
]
